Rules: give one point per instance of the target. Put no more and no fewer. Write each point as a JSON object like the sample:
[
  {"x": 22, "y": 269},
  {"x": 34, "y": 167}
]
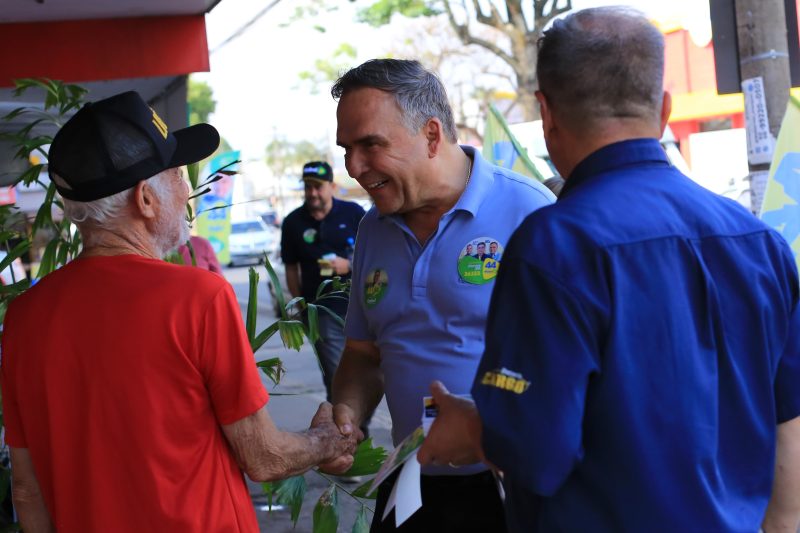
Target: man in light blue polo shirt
[
  {"x": 419, "y": 298},
  {"x": 643, "y": 344}
]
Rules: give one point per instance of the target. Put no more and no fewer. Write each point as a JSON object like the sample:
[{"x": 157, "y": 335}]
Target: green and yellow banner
[
  {"x": 781, "y": 206},
  {"x": 213, "y": 208},
  {"x": 501, "y": 147}
]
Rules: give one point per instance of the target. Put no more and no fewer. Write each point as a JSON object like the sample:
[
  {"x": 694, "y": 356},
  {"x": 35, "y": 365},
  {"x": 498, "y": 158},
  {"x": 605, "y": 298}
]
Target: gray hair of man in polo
[
  {"x": 602, "y": 63},
  {"x": 418, "y": 92}
]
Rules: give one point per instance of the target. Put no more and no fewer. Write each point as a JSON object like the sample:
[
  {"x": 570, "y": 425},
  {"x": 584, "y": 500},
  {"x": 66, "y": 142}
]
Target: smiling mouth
[{"x": 376, "y": 185}]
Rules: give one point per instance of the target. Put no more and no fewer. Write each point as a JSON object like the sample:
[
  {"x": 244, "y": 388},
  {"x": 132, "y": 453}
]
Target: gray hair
[
  {"x": 106, "y": 210},
  {"x": 418, "y": 92},
  {"x": 604, "y": 62}
]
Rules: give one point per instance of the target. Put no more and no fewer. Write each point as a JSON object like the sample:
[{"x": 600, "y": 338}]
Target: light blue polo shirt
[{"x": 426, "y": 318}]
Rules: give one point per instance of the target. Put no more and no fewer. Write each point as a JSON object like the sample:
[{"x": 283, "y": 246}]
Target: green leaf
[
  {"x": 264, "y": 336},
  {"x": 367, "y": 459},
  {"x": 273, "y": 368},
  {"x": 47, "y": 264},
  {"x": 313, "y": 323},
  {"x": 326, "y": 512},
  {"x": 363, "y": 491},
  {"x": 30, "y": 175},
  {"x": 336, "y": 317},
  {"x": 361, "y": 525},
  {"x": 276, "y": 284},
  {"x": 15, "y": 252},
  {"x": 291, "y": 492},
  {"x": 16, "y": 112},
  {"x": 44, "y": 217},
  {"x": 193, "y": 169},
  {"x": 322, "y": 287},
  {"x": 291, "y": 333},
  {"x": 252, "y": 305}
]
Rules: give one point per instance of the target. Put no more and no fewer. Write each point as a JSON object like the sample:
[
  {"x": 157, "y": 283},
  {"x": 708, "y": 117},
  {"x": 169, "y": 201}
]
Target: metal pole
[{"x": 764, "y": 67}]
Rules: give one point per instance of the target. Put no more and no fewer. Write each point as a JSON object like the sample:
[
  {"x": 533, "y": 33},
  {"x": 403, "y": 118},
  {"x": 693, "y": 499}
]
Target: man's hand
[
  {"x": 343, "y": 439},
  {"x": 344, "y": 419},
  {"x": 340, "y": 265},
  {"x": 455, "y": 436}
]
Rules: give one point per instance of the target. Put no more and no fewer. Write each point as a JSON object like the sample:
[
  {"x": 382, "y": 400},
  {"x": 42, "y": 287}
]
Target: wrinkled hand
[
  {"x": 344, "y": 418},
  {"x": 455, "y": 435},
  {"x": 341, "y": 442},
  {"x": 340, "y": 265}
]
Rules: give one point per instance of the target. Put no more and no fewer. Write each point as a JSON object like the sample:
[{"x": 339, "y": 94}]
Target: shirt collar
[
  {"x": 479, "y": 185},
  {"x": 480, "y": 182},
  {"x": 615, "y": 156}
]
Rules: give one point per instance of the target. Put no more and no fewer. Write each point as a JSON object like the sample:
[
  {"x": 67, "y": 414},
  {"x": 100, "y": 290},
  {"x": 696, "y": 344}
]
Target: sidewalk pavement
[{"x": 292, "y": 404}]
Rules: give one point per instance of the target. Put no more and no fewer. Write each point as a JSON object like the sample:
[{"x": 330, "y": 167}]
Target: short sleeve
[
  {"x": 227, "y": 363},
  {"x": 14, "y": 432},
  {"x": 288, "y": 250},
  {"x": 355, "y": 324},
  {"x": 532, "y": 381},
  {"x": 787, "y": 391}
]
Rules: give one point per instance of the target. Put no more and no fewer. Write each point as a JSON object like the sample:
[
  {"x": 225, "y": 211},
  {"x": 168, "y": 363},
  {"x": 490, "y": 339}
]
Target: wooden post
[{"x": 764, "y": 67}]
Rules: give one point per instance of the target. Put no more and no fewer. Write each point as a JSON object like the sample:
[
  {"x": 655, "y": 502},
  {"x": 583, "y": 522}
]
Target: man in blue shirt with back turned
[{"x": 642, "y": 356}]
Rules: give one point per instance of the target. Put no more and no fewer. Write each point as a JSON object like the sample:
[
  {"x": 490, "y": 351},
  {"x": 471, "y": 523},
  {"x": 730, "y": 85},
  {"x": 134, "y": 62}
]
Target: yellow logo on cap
[{"x": 159, "y": 124}]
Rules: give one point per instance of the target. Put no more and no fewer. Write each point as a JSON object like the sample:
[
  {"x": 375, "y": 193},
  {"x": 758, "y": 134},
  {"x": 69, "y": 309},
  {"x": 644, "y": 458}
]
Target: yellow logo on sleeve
[
  {"x": 159, "y": 124},
  {"x": 506, "y": 380}
]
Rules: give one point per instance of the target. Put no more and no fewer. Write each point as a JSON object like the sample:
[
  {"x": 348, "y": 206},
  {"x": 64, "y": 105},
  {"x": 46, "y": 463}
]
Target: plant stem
[{"x": 356, "y": 498}]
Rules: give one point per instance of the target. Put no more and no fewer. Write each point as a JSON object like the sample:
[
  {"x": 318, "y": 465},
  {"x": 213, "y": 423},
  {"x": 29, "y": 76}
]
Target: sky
[{"x": 255, "y": 77}]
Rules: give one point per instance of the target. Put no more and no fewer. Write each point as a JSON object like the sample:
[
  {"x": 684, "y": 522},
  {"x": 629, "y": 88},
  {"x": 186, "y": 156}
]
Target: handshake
[{"x": 337, "y": 435}]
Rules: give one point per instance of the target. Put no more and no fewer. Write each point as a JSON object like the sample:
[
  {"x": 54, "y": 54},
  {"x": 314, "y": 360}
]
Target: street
[{"x": 291, "y": 406}]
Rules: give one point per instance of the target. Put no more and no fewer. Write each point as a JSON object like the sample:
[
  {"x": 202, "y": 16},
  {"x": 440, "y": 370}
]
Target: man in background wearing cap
[
  {"x": 317, "y": 241},
  {"x": 130, "y": 394}
]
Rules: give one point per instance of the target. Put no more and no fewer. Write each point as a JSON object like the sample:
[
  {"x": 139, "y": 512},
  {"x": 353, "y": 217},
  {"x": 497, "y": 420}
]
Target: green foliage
[
  {"x": 309, "y": 9},
  {"x": 380, "y": 12},
  {"x": 327, "y": 70},
  {"x": 289, "y": 492},
  {"x": 367, "y": 459},
  {"x": 286, "y": 157},
  {"x": 201, "y": 101},
  {"x": 361, "y": 525},
  {"x": 326, "y": 512},
  {"x": 60, "y": 99}
]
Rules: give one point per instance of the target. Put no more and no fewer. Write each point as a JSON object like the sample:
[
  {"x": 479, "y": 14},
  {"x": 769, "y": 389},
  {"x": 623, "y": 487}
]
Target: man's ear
[
  {"x": 666, "y": 110},
  {"x": 145, "y": 200},
  {"x": 545, "y": 111},
  {"x": 433, "y": 134}
]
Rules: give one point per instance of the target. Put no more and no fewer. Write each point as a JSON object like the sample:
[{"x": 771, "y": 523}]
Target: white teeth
[{"x": 377, "y": 185}]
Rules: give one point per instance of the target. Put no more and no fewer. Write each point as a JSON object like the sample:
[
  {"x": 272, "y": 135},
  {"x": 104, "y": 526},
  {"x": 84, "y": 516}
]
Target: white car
[{"x": 250, "y": 239}]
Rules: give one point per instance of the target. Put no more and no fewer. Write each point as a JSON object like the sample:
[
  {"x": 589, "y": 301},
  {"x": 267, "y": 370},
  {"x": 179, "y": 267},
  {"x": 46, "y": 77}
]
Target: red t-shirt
[{"x": 117, "y": 373}]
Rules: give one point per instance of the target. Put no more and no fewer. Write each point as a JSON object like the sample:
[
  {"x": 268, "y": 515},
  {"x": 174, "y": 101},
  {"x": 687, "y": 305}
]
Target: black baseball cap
[
  {"x": 317, "y": 170},
  {"x": 110, "y": 145}
]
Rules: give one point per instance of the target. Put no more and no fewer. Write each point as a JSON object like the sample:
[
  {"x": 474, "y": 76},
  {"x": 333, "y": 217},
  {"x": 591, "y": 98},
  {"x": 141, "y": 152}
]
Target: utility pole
[{"x": 764, "y": 68}]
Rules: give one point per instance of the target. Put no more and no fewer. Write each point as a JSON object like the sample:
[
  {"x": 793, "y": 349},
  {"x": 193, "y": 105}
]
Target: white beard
[{"x": 170, "y": 234}]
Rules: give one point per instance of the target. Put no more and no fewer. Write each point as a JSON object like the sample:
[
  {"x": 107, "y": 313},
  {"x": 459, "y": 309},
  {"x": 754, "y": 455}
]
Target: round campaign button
[
  {"x": 375, "y": 287},
  {"x": 309, "y": 235},
  {"x": 479, "y": 260}
]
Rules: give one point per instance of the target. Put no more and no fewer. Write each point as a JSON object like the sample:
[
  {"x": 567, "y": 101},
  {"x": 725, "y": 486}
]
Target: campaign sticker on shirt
[
  {"x": 309, "y": 235},
  {"x": 375, "y": 287},
  {"x": 479, "y": 260}
]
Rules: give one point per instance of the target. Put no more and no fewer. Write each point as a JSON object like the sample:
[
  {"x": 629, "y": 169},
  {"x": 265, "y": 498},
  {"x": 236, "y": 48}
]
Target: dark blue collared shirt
[{"x": 642, "y": 345}]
